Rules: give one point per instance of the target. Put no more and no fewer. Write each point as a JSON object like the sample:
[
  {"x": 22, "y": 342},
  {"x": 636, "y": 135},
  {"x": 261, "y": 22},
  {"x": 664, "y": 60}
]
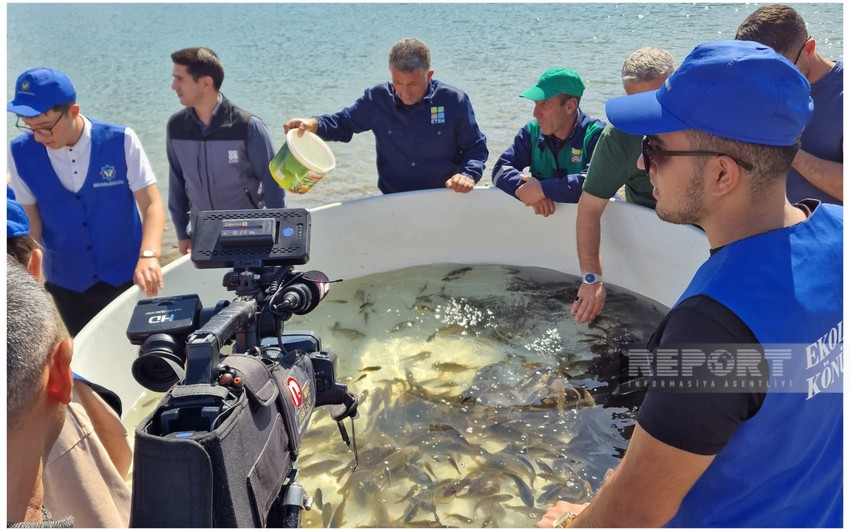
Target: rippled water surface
[
  {"x": 285, "y": 60},
  {"x": 482, "y": 403}
]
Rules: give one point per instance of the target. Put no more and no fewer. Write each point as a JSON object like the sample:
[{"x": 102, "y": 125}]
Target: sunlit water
[
  {"x": 482, "y": 402},
  {"x": 282, "y": 62}
]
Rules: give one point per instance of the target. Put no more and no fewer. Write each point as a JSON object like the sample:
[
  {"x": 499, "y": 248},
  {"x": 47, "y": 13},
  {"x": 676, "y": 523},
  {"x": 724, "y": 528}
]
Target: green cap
[{"x": 555, "y": 81}]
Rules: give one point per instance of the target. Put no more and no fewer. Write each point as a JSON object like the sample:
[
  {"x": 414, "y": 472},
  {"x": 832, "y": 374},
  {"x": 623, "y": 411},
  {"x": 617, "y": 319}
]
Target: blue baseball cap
[
  {"x": 739, "y": 90},
  {"x": 39, "y": 90},
  {"x": 17, "y": 222}
]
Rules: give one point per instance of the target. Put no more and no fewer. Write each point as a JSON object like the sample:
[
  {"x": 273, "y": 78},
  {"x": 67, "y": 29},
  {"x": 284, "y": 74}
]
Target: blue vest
[
  {"x": 782, "y": 467},
  {"x": 93, "y": 235}
]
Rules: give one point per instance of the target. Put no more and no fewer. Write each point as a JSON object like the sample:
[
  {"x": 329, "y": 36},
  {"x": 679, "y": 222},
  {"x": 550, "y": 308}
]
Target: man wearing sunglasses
[
  {"x": 80, "y": 182},
  {"x": 742, "y": 421},
  {"x": 817, "y": 171}
]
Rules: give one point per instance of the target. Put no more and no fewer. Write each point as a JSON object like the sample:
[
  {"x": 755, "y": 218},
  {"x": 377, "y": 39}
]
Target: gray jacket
[{"x": 223, "y": 166}]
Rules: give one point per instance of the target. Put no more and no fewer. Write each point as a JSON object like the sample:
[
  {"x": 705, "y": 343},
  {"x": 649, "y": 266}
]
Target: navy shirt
[
  {"x": 419, "y": 146},
  {"x": 557, "y": 186}
]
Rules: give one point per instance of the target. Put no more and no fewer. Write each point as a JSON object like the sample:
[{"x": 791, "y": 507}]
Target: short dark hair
[
  {"x": 775, "y": 25},
  {"x": 200, "y": 62},
  {"x": 21, "y": 247},
  {"x": 770, "y": 162},
  {"x": 409, "y": 55}
]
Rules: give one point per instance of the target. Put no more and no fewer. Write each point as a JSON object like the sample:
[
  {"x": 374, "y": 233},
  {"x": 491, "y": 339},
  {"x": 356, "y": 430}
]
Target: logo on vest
[
  {"x": 233, "y": 157},
  {"x": 107, "y": 175},
  {"x": 438, "y": 115}
]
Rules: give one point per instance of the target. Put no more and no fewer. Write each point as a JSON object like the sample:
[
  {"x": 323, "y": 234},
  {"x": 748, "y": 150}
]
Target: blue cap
[
  {"x": 739, "y": 90},
  {"x": 39, "y": 90},
  {"x": 17, "y": 222}
]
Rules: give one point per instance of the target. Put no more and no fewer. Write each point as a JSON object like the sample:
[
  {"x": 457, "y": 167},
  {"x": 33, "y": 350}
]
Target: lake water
[
  {"x": 294, "y": 60},
  {"x": 480, "y": 404}
]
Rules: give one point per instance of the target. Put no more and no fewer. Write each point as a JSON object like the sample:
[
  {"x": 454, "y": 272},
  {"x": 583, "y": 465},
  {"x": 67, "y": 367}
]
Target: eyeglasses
[
  {"x": 648, "y": 151},
  {"x": 47, "y": 132},
  {"x": 801, "y": 49}
]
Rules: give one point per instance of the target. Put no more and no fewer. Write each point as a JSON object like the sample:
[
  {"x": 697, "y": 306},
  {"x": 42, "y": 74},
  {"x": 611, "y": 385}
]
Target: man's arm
[
  {"x": 148, "y": 275},
  {"x": 178, "y": 201},
  {"x": 591, "y": 298},
  {"x": 564, "y": 189},
  {"x": 472, "y": 143},
  {"x": 509, "y": 166},
  {"x": 260, "y": 153},
  {"x": 825, "y": 175},
  {"x": 342, "y": 126},
  {"x": 645, "y": 490}
]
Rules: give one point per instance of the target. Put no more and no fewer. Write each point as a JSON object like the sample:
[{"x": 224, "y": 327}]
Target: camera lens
[{"x": 160, "y": 363}]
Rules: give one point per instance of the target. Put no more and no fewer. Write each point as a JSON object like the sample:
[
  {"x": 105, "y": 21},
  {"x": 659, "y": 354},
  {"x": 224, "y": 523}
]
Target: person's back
[
  {"x": 85, "y": 471},
  {"x": 39, "y": 385},
  {"x": 817, "y": 171},
  {"x": 218, "y": 153}
]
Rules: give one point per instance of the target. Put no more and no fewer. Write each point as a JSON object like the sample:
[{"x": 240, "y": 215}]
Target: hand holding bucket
[{"x": 301, "y": 162}]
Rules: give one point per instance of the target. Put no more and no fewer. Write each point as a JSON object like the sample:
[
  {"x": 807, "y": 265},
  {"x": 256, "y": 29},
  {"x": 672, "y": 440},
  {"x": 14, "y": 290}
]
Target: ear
[
  {"x": 728, "y": 177},
  {"x": 74, "y": 111},
  {"x": 207, "y": 82},
  {"x": 430, "y": 74},
  {"x": 60, "y": 379},
  {"x": 34, "y": 265},
  {"x": 572, "y": 104}
]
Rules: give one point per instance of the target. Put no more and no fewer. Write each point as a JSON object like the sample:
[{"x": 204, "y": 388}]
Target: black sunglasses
[
  {"x": 801, "y": 49},
  {"x": 648, "y": 151}
]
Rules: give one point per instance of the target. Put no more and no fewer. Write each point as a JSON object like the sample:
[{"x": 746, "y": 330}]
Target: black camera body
[{"x": 220, "y": 448}]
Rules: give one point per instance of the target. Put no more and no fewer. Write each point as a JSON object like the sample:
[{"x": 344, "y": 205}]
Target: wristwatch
[
  {"x": 148, "y": 254},
  {"x": 590, "y": 278}
]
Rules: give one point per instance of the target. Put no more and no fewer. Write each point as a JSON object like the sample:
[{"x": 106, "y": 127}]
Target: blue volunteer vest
[
  {"x": 93, "y": 235},
  {"x": 783, "y": 467}
]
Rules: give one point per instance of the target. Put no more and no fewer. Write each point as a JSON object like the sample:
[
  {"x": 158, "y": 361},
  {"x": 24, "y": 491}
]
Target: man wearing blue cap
[
  {"x": 80, "y": 182},
  {"x": 556, "y": 146},
  {"x": 742, "y": 422}
]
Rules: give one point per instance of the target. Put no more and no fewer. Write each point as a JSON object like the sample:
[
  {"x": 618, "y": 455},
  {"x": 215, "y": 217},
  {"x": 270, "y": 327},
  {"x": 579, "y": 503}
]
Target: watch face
[
  {"x": 148, "y": 254},
  {"x": 589, "y": 277}
]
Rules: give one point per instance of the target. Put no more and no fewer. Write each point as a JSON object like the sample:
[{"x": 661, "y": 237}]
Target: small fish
[
  {"x": 347, "y": 333},
  {"x": 407, "y": 324},
  {"x": 424, "y": 354},
  {"x": 318, "y": 497},
  {"x": 455, "y": 274},
  {"x": 525, "y": 493},
  {"x": 371, "y": 369},
  {"x": 450, "y": 367},
  {"x": 450, "y": 330},
  {"x": 453, "y": 462},
  {"x": 336, "y": 520}
]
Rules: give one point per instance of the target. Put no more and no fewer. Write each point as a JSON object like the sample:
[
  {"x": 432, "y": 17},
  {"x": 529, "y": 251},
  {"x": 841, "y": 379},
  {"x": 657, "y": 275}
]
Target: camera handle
[
  {"x": 203, "y": 347},
  {"x": 292, "y": 499}
]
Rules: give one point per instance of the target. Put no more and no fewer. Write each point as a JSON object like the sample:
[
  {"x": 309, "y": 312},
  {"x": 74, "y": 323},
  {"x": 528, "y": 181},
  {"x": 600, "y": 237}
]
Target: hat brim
[
  {"x": 26, "y": 110},
  {"x": 642, "y": 114},
  {"x": 535, "y": 93}
]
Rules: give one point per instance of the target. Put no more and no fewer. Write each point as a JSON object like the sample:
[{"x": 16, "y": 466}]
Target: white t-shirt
[{"x": 71, "y": 165}]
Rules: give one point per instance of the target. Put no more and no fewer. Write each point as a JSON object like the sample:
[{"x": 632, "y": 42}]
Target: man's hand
[
  {"x": 148, "y": 276},
  {"x": 555, "y": 512},
  {"x": 302, "y": 124},
  {"x": 544, "y": 207},
  {"x": 184, "y": 246},
  {"x": 531, "y": 192},
  {"x": 589, "y": 302},
  {"x": 460, "y": 183}
]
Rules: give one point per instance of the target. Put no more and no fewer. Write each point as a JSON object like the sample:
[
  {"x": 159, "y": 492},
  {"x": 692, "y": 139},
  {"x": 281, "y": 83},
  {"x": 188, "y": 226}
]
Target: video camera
[{"x": 220, "y": 448}]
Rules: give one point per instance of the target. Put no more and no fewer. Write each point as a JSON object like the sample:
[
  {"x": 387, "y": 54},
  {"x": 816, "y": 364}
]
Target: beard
[{"x": 692, "y": 208}]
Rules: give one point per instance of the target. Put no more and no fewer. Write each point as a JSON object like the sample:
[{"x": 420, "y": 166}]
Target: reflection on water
[{"x": 482, "y": 402}]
